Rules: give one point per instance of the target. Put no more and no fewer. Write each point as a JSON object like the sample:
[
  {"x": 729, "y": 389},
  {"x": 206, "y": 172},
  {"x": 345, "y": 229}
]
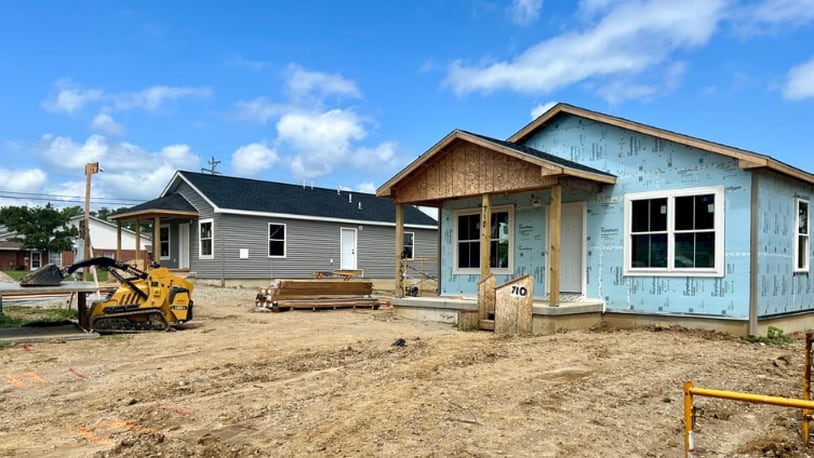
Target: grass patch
[
  {"x": 16, "y": 274},
  {"x": 774, "y": 337},
  {"x": 16, "y": 316}
]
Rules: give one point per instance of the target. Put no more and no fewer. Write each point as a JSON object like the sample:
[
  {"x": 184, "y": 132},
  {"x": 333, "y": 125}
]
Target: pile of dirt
[{"x": 236, "y": 383}]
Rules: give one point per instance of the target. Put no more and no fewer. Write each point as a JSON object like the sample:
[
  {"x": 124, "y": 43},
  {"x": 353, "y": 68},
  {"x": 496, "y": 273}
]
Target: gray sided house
[
  {"x": 227, "y": 228},
  {"x": 620, "y": 221}
]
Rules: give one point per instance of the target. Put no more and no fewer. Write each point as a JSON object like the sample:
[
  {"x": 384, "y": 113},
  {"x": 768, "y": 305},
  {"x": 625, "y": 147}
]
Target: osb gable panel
[{"x": 464, "y": 169}]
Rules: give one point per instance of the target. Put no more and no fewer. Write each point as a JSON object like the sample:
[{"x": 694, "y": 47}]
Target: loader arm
[{"x": 115, "y": 268}]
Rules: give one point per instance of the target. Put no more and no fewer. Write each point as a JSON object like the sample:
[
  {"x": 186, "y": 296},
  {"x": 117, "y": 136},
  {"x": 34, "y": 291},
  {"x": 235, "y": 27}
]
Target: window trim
[
  {"x": 797, "y": 234},
  {"x": 403, "y": 245},
  {"x": 285, "y": 240},
  {"x": 670, "y": 271},
  {"x": 201, "y": 222},
  {"x": 167, "y": 241},
  {"x": 509, "y": 269}
]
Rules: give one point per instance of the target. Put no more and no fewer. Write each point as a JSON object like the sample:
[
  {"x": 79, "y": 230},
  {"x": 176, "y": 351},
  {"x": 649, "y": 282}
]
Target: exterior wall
[
  {"x": 310, "y": 246},
  {"x": 13, "y": 260},
  {"x": 645, "y": 163},
  {"x": 780, "y": 289},
  {"x": 530, "y": 232},
  {"x": 641, "y": 163}
]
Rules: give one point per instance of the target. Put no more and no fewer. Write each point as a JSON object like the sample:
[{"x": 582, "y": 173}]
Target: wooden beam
[
  {"x": 138, "y": 243},
  {"x": 157, "y": 240},
  {"x": 554, "y": 225},
  {"x": 485, "y": 236},
  {"x": 118, "y": 240},
  {"x": 754, "y": 234},
  {"x": 399, "y": 284}
]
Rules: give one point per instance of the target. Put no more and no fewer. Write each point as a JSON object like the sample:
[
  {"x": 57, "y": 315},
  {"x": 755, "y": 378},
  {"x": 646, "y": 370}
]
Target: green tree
[{"x": 41, "y": 228}]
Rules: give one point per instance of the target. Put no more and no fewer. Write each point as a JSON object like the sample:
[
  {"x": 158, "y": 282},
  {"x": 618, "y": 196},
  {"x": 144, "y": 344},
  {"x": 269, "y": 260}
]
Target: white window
[
  {"x": 206, "y": 239},
  {"x": 801, "y": 238},
  {"x": 36, "y": 261},
  {"x": 677, "y": 232},
  {"x": 408, "y": 246},
  {"x": 276, "y": 240},
  {"x": 164, "y": 234},
  {"x": 467, "y": 241}
]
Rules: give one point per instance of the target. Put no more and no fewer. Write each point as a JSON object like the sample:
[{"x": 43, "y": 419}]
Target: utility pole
[{"x": 90, "y": 169}]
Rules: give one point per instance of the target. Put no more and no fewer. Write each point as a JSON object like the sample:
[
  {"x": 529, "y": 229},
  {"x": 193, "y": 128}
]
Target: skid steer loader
[{"x": 151, "y": 300}]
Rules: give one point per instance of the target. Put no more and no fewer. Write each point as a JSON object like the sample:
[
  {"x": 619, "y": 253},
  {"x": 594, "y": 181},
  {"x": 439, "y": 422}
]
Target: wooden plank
[
  {"x": 485, "y": 235},
  {"x": 399, "y": 286},
  {"x": 468, "y": 320},
  {"x": 513, "y": 307},
  {"x": 486, "y": 297},
  {"x": 554, "y": 225}
]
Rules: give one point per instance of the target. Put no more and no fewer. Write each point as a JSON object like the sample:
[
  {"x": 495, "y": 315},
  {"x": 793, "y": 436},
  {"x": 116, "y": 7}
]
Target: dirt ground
[{"x": 240, "y": 383}]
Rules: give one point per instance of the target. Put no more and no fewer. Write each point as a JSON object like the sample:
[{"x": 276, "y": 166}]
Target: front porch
[{"x": 571, "y": 314}]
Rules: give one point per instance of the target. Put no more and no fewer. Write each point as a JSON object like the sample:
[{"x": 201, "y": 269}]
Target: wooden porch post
[
  {"x": 399, "y": 283},
  {"x": 554, "y": 225},
  {"x": 156, "y": 240},
  {"x": 485, "y": 236},
  {"x": 138, "y": 243},
  {"x": 118, "y": 240}
]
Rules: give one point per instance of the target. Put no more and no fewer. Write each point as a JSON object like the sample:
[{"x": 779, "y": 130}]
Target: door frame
[
  {"x": 355, "y": 251},
  {"x": 183, "y": 245},
  {"x": 583, "y": 256}
]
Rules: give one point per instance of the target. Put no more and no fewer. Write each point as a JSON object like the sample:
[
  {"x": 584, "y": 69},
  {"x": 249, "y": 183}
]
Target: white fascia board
[
  {"x": 203, "y": 196},
  {"x": 318, "y": 218}
]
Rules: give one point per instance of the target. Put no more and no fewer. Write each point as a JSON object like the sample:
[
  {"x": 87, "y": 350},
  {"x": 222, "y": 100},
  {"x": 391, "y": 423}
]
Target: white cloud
[
  {"x": 130, "y": 171},
  {"x": 367, "y": 187},
  {"x": 380, "y": 157},
  {"x": 105, "y": 124},
  {"x": 541, "y": 108},
  {"x": 524, "y": 12},
  {"x": 771, "y": 16},
  {"x": 631, "y": 38},
  {"x": 153, "y": 98},
  {"x": 259, "y": 109},
  {"x": 252, "y": 159},
  {"x": 800, "y": 82},
  {"x": 70, "y": 98},
  {"x": 321, "y": 140},
  {"x": 25, "y": 180},
  {"x": 303, "y": 83},
  {"x": 240, "y": 61}
]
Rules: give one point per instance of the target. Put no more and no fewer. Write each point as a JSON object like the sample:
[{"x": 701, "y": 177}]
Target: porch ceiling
[{"x": 464, "y": 164}]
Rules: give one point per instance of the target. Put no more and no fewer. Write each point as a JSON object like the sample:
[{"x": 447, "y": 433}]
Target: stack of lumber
[{"x": 320, "y": 294}]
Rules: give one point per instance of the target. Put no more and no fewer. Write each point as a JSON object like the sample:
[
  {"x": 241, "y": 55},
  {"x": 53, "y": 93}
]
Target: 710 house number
[{"x": 521, "y": 291}]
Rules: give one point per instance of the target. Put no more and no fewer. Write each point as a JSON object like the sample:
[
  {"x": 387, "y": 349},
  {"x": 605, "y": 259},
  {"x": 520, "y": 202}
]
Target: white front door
[
  {"x": 572, "y": 256},
  {"x": 183, "y": 246},
  {"x": 347, "y": 258},
  {"x": 572, "y": 247}
]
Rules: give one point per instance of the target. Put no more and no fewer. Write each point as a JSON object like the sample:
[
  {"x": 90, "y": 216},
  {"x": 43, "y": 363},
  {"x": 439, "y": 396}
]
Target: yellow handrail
[{"x": 690, "y": 391}]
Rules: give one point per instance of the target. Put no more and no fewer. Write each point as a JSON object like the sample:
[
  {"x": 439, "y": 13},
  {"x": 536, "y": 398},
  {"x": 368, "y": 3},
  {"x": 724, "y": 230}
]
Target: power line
[{"x": 15, "y": 195}]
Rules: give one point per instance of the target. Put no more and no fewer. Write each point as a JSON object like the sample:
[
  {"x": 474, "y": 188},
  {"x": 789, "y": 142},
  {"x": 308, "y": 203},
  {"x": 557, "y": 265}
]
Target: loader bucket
[{"x": 47, "y": 275}]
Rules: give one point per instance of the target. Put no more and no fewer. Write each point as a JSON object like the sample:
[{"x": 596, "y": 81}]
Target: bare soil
[{"x": 240, "y": 383}]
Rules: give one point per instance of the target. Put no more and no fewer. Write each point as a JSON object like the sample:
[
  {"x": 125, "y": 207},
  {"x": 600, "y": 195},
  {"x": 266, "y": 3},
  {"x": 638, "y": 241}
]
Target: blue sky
[{"x": 345, "y": 94}]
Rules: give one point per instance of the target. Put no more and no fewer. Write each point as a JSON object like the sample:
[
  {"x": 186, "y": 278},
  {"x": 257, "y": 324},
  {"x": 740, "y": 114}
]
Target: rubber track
[{"x": 133, "y": 326}]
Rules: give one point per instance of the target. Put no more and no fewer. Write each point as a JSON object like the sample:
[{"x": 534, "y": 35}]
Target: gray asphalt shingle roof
[{"x": 244, "y": 194}]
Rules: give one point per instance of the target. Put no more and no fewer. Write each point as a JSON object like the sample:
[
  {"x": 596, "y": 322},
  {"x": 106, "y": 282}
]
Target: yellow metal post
[
  {"x": 689, "y": 446},
  {"x": 807, "y": 388}
]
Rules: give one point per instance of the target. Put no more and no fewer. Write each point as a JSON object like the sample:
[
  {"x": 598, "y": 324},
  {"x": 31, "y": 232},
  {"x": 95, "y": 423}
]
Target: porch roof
[
  {"x": 468, "y": 164},
  {"x": 171, "y": 205}
]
